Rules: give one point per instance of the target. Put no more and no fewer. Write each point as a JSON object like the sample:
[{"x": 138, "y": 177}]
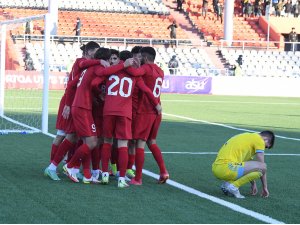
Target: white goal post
[{"x": 45, "y": 90}]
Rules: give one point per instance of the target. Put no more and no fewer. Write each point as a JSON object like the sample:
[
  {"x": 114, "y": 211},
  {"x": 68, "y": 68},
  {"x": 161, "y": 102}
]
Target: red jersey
[
  {"x": 119, "y": 90},
  {"x": 77, "y": 69},
  {"x": 84, "y": 97},
  {"x": 70, "y": 89},
  {"x": 135, "y": 99},
  {"x": 153, "y": 77}
]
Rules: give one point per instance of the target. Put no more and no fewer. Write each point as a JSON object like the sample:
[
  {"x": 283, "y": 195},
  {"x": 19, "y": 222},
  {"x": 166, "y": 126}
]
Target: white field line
[
  {"x": 223, "y": 125},
  {"x": 219, "y": 201},
  {"x": 214, "y": 153},
  {"x": 234, "y": 102}
]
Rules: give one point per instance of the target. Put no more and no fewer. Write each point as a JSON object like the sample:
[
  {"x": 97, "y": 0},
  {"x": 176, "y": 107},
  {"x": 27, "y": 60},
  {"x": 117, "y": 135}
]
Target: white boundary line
[
  {"x": 215, "y": 153},
  {"x": 219, "y": 201},
  {"x": 224, "y": 125},
  {"x": 256, "y": 103}
]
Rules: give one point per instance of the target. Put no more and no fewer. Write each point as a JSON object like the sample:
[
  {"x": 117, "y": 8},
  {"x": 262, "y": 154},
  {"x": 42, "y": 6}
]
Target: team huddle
[{"x": 110, "y": 110}]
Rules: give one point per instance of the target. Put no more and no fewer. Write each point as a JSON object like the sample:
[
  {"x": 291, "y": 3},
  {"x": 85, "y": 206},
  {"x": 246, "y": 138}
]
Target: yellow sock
[{"x": 247, "y": 179}]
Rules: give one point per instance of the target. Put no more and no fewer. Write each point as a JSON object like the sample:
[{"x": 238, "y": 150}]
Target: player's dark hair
[
  {"x": 103, "y": 53},
  {"x": 114, "y": 52},
  {"x": 125, "y": 55},
  {"x": 136, "y": 49},
  {"x": 149, "y": 52},
  {"x": 89, "y": 46},
  {"x": 270, "y": 135}
]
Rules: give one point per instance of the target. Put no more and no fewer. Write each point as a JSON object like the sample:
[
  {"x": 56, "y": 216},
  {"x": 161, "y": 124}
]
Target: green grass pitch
[{"x": 29, "y": 197}]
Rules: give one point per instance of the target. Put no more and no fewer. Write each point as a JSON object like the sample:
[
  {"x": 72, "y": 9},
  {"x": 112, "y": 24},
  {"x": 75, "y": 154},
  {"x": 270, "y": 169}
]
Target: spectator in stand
[
  {"x": 293, "y": 37},
  {"x": 296, "y": 9},
  {"x": 249, "y": 9},
  {"x": 215, "y": 3},
  {"x": 288, "y": 7},
  {"x": 28, "y": 29},
  {"x": 28, "y": 62},
  {"x": 204, "y": 8},
  {"x": 220, "y": 12},
  {"x": 244, "y": 6},
  {"x": 258, "y": 8},
  {"x": 267, "y": 8},
  {"x": 179, "y": 5},
  {"x": 172, "y": 28},
  {"x": 77, "y": 28},
  {"x": 279, "y": 8},
  {"x": 173, "y": 65},
  {"x": 274, "y": 3}
]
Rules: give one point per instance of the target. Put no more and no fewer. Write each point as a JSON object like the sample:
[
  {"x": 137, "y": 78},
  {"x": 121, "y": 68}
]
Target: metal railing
[
  {"x": 113, "y": 40},
  {"x": 271, "y": 45}
]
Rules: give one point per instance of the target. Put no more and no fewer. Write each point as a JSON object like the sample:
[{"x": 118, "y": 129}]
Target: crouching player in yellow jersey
[{"x": 235, "y": 164}]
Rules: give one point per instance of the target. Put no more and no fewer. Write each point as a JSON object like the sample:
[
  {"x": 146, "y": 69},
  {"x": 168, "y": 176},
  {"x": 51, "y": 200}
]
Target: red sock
[
  {"x": 114, "y": 156},
  {"x": 62, "y": 150},
  {"x": 139, "y": 163},
  {"x": 131, "y": 159},
  {"x": 96, "y": 158},
  {"x": 158, "y": 157},
  {"x": 54, "y": 149},
  {"x": 123, "y": 160},
  {"x": 71, "y": 152},
  {"x": 86, "y": 164},
  {"x": 79, "y": 156},
  {"x": 105, "y": 156}
]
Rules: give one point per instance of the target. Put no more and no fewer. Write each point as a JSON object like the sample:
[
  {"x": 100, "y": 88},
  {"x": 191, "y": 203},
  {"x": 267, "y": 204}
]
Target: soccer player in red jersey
[
  {"x": 114, "y": 60},
  {"x": 147, "y": 120},
  {"x": 117, "y": 115},
  {"x": 131, "y": 144},
  {"x": 97, "y": 112},
  {"x": 62, "y": 145},
  {"x": 82, "y": 114}
]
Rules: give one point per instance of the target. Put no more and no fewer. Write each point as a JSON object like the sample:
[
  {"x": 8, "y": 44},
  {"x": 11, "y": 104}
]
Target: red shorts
[
  {"x": 146, "y": 126},
  {"x": 99, "y": 123},
  {"x": 70, "y": 128},
  {"x": 61, "y": 123},
  {"x": 83, "y": 122},
  {"x": 118, "y": 127}
]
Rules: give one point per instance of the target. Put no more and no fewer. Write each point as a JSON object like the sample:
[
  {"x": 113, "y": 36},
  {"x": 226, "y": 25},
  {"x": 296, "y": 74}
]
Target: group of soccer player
[{"x": 110, "y": 110}]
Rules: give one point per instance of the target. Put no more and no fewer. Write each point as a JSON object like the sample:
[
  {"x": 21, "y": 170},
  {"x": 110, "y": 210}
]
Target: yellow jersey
[{"x": 240, "y": 148}]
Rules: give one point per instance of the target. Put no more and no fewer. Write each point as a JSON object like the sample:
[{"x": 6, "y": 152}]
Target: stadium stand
[
  {"x": 143, "y": 20},
  {"x": 264, "y": 63},
  {"x": 244, "y": 28},
  {"x": 133, "y": 6},
  {"x": 103, "y": 24},
  {"x": 192, "y": 61}
]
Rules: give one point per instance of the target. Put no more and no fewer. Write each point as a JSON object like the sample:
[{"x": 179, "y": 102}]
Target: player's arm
[
  {"x": 143, "y": 87},
  {"x": 88, "y": 63},
  {"x": 96, "y": 82},
  {"x": 96, "y": 90},
  {"x": 261, "y": 158},
  {"x": 113, "y": 69},
  {"x": 71, "y": 90},
  {"x": 135, "y": 72}
]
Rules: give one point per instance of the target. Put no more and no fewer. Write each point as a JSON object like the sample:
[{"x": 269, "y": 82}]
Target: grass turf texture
[{"x": 29, "y": 197}]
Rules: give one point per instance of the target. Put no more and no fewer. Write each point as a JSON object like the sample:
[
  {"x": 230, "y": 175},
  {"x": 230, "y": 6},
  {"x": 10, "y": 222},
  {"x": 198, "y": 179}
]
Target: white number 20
[{"x": 122, "y": 81}]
